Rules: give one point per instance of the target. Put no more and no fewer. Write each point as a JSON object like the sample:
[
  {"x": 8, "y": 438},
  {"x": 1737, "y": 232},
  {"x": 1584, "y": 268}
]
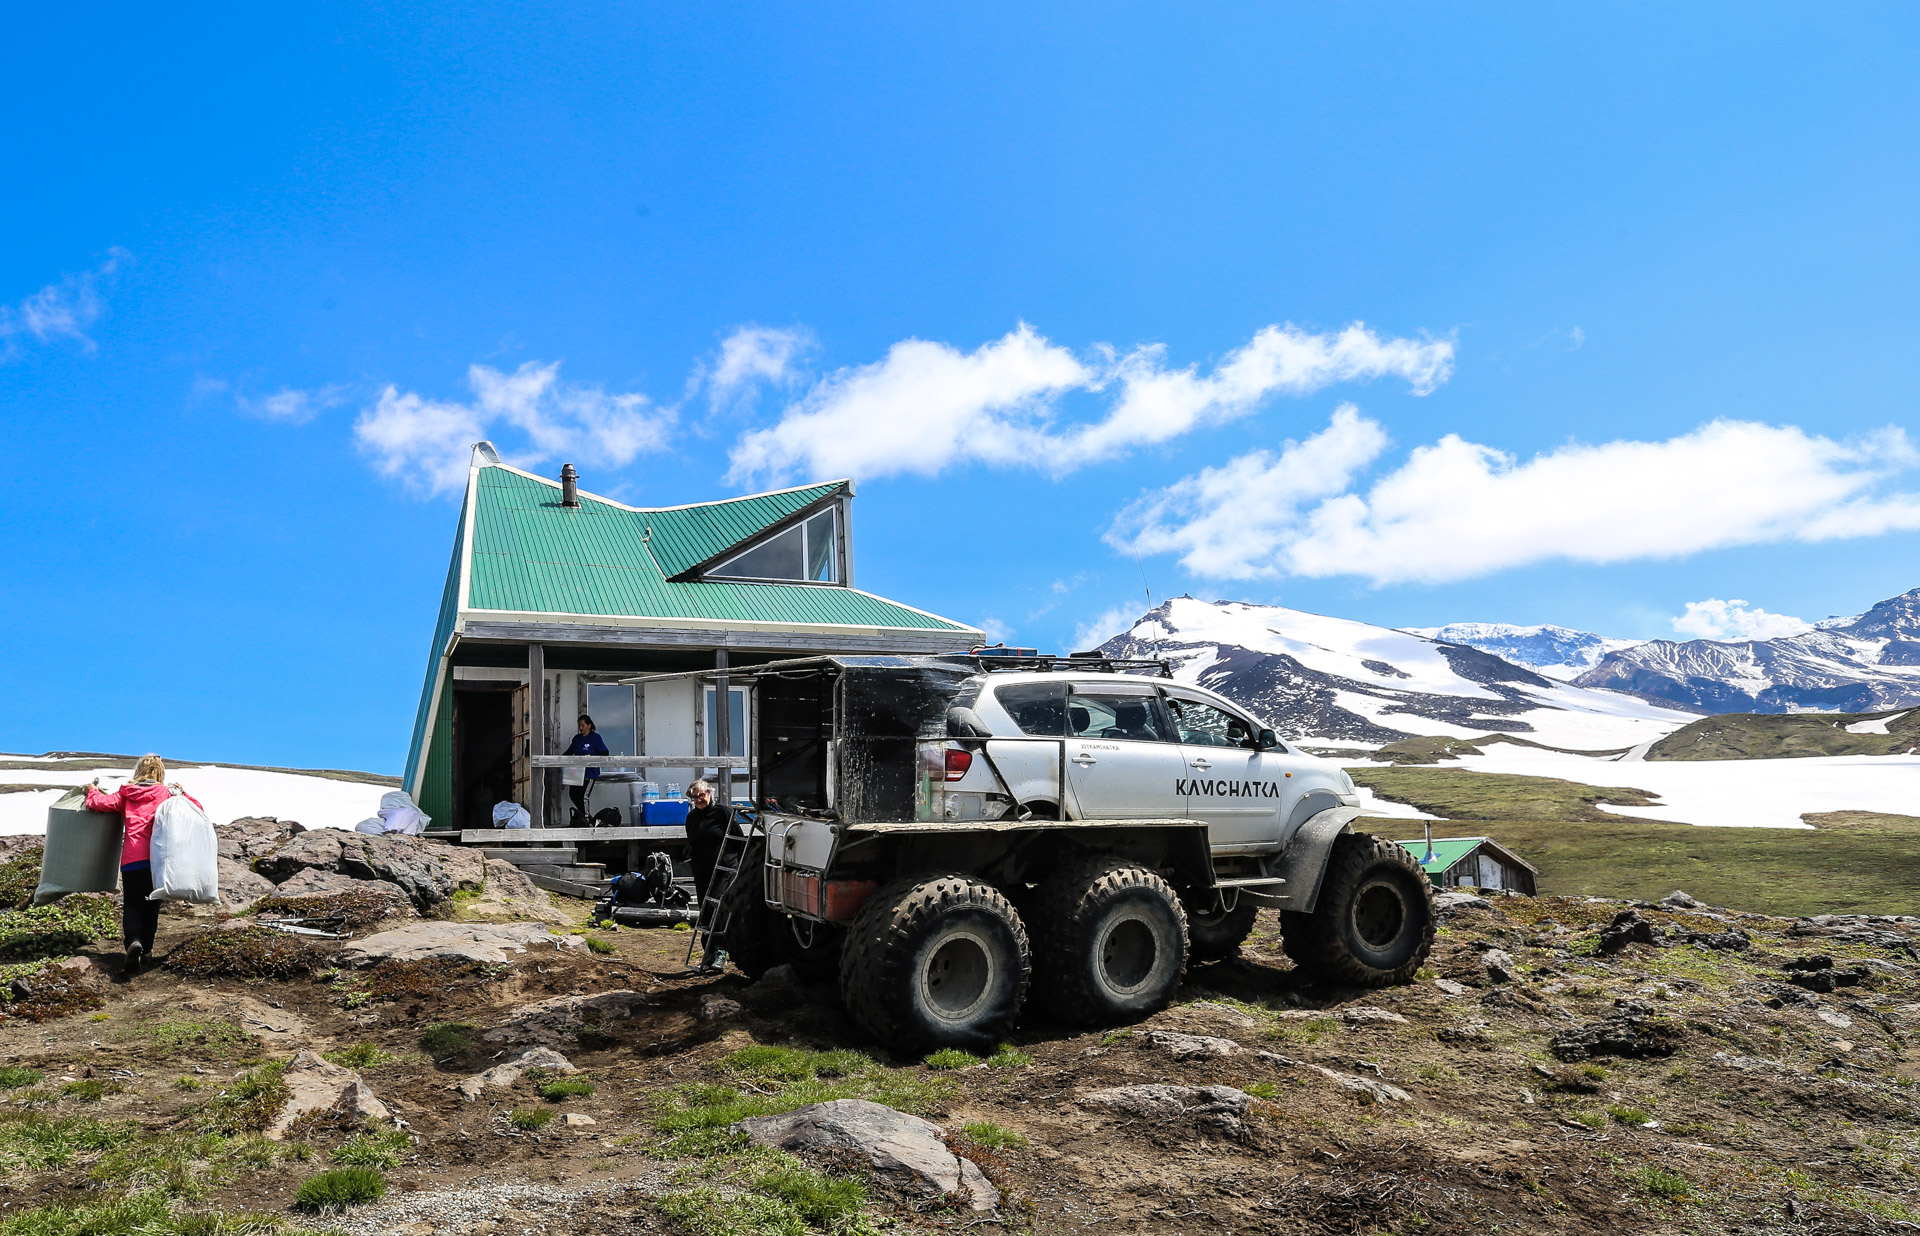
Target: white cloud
[
  {"x": 294, "y": 406},
  {"x": 62, "y": 310},
  {"x": 928, "y": 405},
  {"x": 996, "y": 631},
  {"x": 1457, "y": 510},
  {"x": 425, "y": 442},
  {"x": 1735, "y": 621},
  {"x": 1104, "y": 626},
  {"x": 754, "y": 354}
]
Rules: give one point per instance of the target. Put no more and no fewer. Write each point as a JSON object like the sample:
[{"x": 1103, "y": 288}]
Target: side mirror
[{"x": 1268, "y": 740}]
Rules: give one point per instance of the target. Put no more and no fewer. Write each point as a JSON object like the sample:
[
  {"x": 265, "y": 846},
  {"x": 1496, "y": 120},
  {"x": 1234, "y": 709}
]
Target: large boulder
[
  {"x": 1222, "y": 1108},
  {"x": 240, "y": 885},
  {"x": 429, "y": 871},
  {"x": 910, "y": 1152},
  {"x": 315, "y": 882},
  {"x": 313, "y": 1085},
  {"x": 487, "y": 943},
  {"x": 559, "y": 1020},
  {"x": 251, "y": 836},
  {"x": 509, "y": 894},
  {"x": 507, "y": 1072},
  {"x": 1632, "y": 1030}
]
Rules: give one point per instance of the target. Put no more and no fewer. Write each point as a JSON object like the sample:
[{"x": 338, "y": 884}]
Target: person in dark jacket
[
  {"x": 706, "y": 830},
  {"x": 707, "y": 824},
  {"x": 586, "y": 742}
]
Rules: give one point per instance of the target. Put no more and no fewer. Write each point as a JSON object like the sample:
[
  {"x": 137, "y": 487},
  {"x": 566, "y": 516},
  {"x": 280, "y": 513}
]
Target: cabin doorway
[{"x": 483, "y": 752}]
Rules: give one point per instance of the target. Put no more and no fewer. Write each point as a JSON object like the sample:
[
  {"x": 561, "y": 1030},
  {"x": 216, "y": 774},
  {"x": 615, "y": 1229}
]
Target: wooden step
[
  {"x": 517, "y": 855},
  {"x": 569, "y": 888},
  {"x": 584, "y": 873}
]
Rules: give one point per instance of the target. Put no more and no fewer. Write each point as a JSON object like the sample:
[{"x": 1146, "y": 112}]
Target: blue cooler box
[{"x": 661, "y": 812}]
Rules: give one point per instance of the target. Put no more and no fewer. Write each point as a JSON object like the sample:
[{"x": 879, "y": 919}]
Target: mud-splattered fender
[{"x": 1303, "y": 864}]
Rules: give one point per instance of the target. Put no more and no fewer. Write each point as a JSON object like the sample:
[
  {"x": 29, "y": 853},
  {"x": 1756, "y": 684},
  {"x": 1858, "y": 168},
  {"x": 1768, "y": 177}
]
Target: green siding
[
  {"x": 435, "y": 793},
  {"x": 685, "y": 538},
  {"x": 532, "y": 555},
  {"x": 442, "y": 628}
]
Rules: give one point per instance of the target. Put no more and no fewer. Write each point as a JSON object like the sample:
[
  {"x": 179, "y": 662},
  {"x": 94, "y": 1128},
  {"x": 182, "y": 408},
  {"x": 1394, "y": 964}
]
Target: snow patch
[{"x": 228, "y": 793}]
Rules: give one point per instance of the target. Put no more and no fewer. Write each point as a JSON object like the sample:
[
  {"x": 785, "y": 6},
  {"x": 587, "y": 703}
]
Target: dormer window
[{"x": 808, "y": 551}]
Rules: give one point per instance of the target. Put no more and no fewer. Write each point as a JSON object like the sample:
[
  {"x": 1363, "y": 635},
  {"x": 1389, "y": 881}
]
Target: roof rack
[{"x": 995, "y": 660}]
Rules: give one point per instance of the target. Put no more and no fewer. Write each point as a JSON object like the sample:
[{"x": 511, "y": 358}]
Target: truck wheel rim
[
  {"x": 1129, "y": 951},
  {"x": 1379, "y": 915},
  {"x": 958, "y": 975}
]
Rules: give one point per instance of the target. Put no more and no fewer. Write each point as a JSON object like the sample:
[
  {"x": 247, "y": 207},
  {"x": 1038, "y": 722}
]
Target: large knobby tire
[
  {"x": 1373, "y": 923},
  {"x": 1110, "y": 942},
  {"x": 752, "y": 940},
  {"x": 759, "y": 937},
  {"x": 1216, "y": 934},
  {"x": 935, "y": 961}
]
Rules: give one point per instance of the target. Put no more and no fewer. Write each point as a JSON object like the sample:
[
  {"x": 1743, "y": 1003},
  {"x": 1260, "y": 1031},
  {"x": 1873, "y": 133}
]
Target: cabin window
[
  {"x": 615, "y": 718},
  {"x": 736, "y": 723},
  {"x": 807, "y": 551}
]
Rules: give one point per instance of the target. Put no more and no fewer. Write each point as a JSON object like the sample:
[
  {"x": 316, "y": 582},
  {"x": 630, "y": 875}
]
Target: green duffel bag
[{"x": 83, "y": 850}]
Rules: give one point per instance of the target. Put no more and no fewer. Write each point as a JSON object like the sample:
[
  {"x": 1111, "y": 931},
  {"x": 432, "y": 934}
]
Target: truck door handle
[
  {"x": 1084, "y": 760},
  {"x": 1202, "y": 765}
]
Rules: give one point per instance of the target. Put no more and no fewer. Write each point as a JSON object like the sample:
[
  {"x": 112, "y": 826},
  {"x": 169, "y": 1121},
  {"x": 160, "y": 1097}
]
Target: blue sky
[{"x": 254, "y": 261}]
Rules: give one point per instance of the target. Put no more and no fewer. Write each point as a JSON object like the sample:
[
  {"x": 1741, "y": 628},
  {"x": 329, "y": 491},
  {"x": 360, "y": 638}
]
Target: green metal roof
[
  {"x": 532, "y": 555},
  {"x": 684, "y": 537},
  {"x": 1446, "y": 851}
]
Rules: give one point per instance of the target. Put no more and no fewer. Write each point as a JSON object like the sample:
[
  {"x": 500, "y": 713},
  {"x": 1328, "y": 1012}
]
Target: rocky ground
[{"x": 1563, "y": 1065}]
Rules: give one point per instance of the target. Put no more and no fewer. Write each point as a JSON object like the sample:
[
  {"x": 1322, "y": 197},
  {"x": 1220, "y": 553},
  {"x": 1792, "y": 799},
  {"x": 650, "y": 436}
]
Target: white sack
[
  {"x": 185, "y": 853},
  {"x": 511, "y": 815},
  {"x": 372, "y": 824},
  {"x": 401, "y": 815}
]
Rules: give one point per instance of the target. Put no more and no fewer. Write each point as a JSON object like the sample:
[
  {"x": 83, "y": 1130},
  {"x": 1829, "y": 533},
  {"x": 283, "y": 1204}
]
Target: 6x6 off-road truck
[{"x": 957, "y": 837}]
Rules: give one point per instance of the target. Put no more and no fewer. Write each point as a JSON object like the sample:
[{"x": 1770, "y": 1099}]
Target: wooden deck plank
[{"x": 545, "y": 836}]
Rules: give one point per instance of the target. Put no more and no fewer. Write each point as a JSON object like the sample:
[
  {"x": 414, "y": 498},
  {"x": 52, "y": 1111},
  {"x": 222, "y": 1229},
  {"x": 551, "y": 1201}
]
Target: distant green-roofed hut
[
  {"x": 1474, "y": 862},
  {"x": 555, "y": 595}
]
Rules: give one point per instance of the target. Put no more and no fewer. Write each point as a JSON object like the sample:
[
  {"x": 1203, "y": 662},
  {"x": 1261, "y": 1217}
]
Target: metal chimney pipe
[{"x": 569, "y": 486}]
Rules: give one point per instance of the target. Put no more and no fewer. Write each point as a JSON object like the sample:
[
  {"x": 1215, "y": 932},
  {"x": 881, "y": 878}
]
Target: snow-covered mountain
[
  {"x": 1557, "y": 652},
  {"x": 1317, "y": 677},
  {"x": 1861, "y": 664}
]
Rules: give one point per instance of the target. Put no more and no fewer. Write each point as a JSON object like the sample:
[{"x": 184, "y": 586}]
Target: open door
[{"x": 522, "y": 745}]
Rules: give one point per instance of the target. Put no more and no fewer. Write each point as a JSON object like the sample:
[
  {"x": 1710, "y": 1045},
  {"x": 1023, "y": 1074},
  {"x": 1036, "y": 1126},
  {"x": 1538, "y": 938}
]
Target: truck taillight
[{"x": 957, "y": 764}]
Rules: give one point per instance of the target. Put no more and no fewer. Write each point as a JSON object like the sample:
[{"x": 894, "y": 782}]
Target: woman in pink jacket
[{"x": 138, "y": 799}]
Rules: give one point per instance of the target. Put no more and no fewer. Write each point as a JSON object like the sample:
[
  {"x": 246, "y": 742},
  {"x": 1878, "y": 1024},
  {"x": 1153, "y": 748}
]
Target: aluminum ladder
[{"x": 728, "y": 866}]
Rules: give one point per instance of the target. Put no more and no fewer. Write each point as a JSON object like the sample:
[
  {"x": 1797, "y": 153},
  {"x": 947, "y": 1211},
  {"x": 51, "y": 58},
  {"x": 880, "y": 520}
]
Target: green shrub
[
  {"x": 822, "y": 1201},
  {"x": 34, "y": 1141},
  {"x": 14, "y": 1077},
  {"x": 565, "y": 1088},
  {"x": 449, "y": 1039},
  {"x": 531, "y": 1121},
  {"x": 384, "y": 1149},
  {"x": 708, "y": 1212},
  {"x": 951, "y": 1058},
  {"x": 91, "y": 1089},
  {"x": 141, "y": 1214},
  {"x": 57, "y": 930},
  {"x": 340, "y": 1188},
  {"x": 221, "y": 1040},
  {"x": 1664, "y": 1184},
  {"x": 248, "y": 953},
  {"x": 991, "y": 1136},
  {"x": 1008, "y": 1058},
  {"x": 1628, "y": 1115},
  {"x": 767, "y": 1063},
  {"x": 19, "y": 876},
  {"x": 603, "y": 947},
  {"x": 1265, "y": 1091},
  {"x": 358, "y": 1056},
  {"x": 250, "y": 1103}
]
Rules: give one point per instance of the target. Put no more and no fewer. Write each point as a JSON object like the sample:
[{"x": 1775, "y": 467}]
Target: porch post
[
  {"x": 722, "y": 730},
  {"x": 537, "y": 731}
]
